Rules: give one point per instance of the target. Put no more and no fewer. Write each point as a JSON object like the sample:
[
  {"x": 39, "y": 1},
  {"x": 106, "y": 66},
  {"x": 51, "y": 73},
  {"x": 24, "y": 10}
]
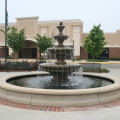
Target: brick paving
[{"x": 59, "y": 109}]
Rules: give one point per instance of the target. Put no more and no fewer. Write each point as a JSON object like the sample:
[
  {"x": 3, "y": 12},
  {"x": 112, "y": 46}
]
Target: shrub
[
  {"x": 104, "y": 70},
  {"x": 41, "y": 58},
  {"x": 114, "y": 58},
  {"x": 9, "y": 57},
  {"x": 34, "y": 65},
  {"x": 95, "y": 70},
  {"x": 96, "y": 60},
  {"x": 77, "y": 59},
  {"x": 3, "y": 66}
]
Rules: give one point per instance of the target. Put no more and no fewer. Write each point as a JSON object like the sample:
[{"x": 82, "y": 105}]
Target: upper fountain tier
[{"x": 60, "y": 37}]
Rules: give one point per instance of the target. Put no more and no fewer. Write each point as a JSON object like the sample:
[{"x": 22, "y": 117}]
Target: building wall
[
  {"x": 114, "y": 52},
  {"x": 112, "y": 39},
  {"x": 83, "y": 54},
  {"x": 49, "y": 28},
  {"x": 27, "y": 53},
  {"x": 2, "y": 52},
  {"x": 30, "y": 25}
]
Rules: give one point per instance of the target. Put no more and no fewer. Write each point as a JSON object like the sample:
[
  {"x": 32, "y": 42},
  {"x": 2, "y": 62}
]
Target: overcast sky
[{"x": 105, "y": 12}]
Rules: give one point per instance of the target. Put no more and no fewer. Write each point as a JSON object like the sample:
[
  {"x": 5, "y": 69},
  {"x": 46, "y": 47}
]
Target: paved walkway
[{"x": 106, "y": 113}]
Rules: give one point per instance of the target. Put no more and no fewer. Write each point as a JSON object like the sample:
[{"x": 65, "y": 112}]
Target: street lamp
[{"x": 5, "y": 29}]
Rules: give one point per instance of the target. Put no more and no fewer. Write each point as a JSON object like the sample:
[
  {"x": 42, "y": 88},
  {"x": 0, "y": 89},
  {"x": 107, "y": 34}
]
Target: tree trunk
[
  {"x": 40, "y": 56},
  {"x": 44, "y": 56},
  {"x": 14, "y": 56}
]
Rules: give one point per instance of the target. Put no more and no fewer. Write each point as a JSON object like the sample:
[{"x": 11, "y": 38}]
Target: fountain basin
[
  {"x": 60, "y": 72},
  {"x": 48, "y": 97},
  {"x": 51, "y": 67}
]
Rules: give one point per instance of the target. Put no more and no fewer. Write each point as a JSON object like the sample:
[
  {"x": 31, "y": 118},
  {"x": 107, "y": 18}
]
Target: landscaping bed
[
  {"x": 34, "y": 67},
  {"x": 103, "y": 70}
]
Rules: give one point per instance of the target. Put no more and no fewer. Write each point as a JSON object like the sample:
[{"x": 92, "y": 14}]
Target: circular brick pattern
[{"x": 59, "y": 109}]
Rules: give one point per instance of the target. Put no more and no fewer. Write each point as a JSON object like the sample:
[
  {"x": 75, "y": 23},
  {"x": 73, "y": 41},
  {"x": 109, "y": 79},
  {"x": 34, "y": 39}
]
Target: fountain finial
[
  {"x": 60, "y": 23},
  {"x": 60, "y": 37}
]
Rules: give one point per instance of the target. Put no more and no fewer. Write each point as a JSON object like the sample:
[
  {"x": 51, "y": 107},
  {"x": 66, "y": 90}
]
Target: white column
[
  {"x": 76, "y": 35},
  {"x": 43, "y": 31},
  {"x": 10, "y": 51}
]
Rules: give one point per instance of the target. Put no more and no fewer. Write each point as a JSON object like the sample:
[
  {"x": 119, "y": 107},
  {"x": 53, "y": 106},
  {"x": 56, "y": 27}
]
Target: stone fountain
[{"x": 60, "y": 69}]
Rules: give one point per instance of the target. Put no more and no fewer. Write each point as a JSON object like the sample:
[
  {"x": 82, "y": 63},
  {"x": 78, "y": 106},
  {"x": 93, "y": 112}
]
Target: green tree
[
  {"x": 16, "y": 39},
  {"x": 7, "y": 30},
  {"x": 94, "y": 42},
  {"x": 3, "y": 31},
  {"x": 43, "y": 43}
]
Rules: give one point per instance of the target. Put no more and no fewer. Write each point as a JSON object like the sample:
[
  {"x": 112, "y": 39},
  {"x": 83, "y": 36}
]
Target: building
[{"x": 74, "y": 29}]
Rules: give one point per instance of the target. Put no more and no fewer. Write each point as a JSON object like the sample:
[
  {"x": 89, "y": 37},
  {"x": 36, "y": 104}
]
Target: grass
[{"x": 95, "y": 60}]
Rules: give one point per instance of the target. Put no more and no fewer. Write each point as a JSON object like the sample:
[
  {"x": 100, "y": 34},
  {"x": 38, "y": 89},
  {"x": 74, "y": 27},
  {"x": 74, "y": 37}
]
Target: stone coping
[{"x": 76, "y": 97}]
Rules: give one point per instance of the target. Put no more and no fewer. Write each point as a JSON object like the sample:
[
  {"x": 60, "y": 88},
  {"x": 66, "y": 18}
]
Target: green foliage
[
  {"x": 94, "y": 42},
  {"x": 9, "y": 57},
  {"x": 114, "y": 58},
  {"x": 78, "y": 59},
  {"x": 16, "y": 39},
  {"x": 41, "y": 58},
  {"x": 103, "y": 70},
  {"x": 95, "y": 60},
  {"x": 43, "y": 43},
  {"x": 7, "y": 30},
  {"x": 3, "y": 66}
]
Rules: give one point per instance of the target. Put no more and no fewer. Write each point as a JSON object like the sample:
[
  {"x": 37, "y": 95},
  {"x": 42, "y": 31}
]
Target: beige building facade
[{"x": 74, "y": 29}]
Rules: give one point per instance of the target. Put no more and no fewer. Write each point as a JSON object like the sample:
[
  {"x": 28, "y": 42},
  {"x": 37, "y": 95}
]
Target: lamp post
[{"x": 5, "y": 29}]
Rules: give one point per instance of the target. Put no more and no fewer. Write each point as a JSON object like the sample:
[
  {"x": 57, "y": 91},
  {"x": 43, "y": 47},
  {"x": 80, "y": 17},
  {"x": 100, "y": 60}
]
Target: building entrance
[{"x": 30, "y": 50}]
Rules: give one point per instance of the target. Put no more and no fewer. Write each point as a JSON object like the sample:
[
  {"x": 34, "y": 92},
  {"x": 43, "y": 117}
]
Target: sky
[{"x": 90, "y": 12}]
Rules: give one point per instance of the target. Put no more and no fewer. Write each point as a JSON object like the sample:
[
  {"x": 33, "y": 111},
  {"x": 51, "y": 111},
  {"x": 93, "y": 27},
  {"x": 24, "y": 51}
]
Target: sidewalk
[{"x": 10, "y": 113}]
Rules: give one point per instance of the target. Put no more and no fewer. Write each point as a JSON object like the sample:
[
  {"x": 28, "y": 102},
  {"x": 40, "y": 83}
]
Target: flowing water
[{"x": 75, "y": 82}]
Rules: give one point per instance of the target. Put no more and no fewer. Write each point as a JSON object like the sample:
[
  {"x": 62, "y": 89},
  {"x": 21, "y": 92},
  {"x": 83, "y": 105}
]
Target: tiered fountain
[{"x": 60, "y": 69}]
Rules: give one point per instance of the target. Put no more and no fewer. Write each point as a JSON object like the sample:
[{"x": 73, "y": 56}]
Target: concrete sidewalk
[{"x": 10, "y": 113}]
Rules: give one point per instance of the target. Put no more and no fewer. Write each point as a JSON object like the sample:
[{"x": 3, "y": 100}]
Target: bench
[
  {"x": 95, "y": 66},
  {"x": 18, "y": 66}
]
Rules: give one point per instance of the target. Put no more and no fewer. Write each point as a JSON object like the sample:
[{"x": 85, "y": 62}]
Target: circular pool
[{"x": 57, "y": 97}]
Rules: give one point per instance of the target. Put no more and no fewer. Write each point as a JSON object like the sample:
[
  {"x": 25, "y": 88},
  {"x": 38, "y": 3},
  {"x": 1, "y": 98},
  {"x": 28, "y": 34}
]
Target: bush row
[
  {"x": 96, "y": 70},
  {"x": 34, "y": 65},
  {"x": 114, "y": 58}
]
